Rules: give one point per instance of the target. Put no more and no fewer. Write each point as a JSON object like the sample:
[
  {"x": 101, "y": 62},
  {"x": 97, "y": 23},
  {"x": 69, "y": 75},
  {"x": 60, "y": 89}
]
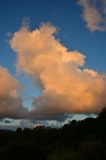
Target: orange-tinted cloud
[
  {"x": 94, "y": 13},
  {"x": 65, "y": 86},
  {"x": 10, "y": 102}
]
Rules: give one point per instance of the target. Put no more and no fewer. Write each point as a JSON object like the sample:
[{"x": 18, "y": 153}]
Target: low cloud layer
[
  {"x": 94, "y": 13},
  {"x": 10, "y": 102},
  {"x": 66, "y": 86}
]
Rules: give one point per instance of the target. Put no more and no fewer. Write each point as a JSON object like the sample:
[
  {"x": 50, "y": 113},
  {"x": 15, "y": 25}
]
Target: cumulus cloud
[
  {"x": 10, "y": 102},
  {"x": 66, "y": 86},
  {"x": 94, "y": 13}
]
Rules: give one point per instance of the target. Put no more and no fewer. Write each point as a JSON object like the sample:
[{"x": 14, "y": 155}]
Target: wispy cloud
[{"x": 94, "y": 14}]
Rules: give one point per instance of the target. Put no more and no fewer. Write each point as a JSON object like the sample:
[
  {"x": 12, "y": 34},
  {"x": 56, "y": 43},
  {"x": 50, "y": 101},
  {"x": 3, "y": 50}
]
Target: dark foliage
[{"x": 82, "y": 140}]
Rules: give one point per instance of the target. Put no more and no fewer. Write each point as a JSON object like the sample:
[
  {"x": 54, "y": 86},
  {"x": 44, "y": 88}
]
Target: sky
[{"x": 52, "y": 61}]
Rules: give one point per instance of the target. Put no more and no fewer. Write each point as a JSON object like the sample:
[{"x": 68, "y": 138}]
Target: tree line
[{"x": 76, "y": 140}]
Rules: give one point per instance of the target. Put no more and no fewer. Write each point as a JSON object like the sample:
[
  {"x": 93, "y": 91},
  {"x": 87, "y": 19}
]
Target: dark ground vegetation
[{"x": 82, "y": 140}]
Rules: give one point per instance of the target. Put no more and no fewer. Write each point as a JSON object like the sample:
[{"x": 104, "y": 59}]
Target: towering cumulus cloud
[
  {"x": 10, "y": 103},
  {"x": 65, "y": 86},
  {"x": 94, "y": 13}
]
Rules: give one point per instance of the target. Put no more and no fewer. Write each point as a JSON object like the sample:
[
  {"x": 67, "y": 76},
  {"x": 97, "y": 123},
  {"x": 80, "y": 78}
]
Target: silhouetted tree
[{"x": 76, "y": 140}]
